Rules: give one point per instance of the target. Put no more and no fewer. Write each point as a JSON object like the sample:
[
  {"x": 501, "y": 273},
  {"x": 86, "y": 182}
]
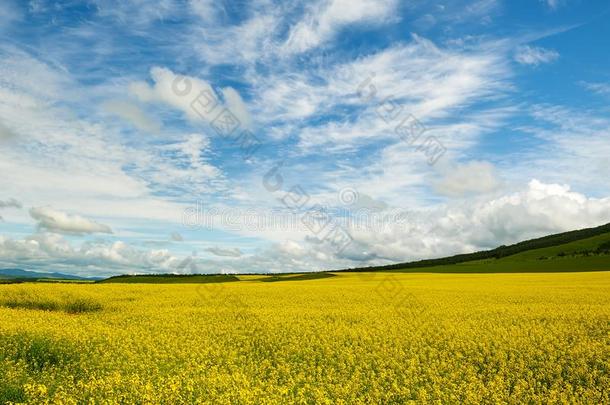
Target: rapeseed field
[{"x": 351, "y": 338}]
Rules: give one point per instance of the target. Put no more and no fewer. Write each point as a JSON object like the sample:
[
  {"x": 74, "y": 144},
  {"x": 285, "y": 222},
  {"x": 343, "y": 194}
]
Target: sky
[{"x": 265, "y": 136}]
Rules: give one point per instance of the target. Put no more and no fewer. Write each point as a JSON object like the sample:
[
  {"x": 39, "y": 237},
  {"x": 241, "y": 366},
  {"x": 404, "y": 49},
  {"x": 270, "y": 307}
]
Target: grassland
[{"x": 347, "y": 338}]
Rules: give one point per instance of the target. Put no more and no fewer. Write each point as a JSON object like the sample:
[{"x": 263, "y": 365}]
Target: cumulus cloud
[
  {"x": 532, "y": 55},
  {"x": 226, "y": 252},
  {"x": 193, "y": 96},
  {"x": 57, "y": 221},
  {"x": 538, "y": 210},
  {"x": 469, "y": 178},
  {"x": 48, "y": 249},
  {"x": 464, "y": 226}
]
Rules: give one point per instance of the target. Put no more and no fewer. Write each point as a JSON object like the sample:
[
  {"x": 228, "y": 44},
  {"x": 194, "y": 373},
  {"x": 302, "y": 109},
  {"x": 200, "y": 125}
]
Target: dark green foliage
[
  {"x": 30, "y": 303},
  {"x": 81, "y": 305},
  {"x": 37, "y": 352},
  {"x": 11, "y": 393},
  {"x": 72, "y": 305},
  {"x": 604, "y": 247},
  {"x": 301, "y": 277},
  {"x": 171, "y": 278}
]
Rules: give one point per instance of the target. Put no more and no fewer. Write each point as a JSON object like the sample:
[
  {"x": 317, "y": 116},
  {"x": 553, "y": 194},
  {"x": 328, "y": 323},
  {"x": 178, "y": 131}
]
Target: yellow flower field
[{"x": 352, "y": 338}]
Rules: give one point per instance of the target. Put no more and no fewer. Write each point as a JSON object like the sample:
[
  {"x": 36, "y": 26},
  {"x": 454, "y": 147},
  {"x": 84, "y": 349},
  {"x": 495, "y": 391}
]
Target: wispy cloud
[
  {"x": 531, "y": 55},
  {"x": 325, "y": 18},
  {"x": 598, "y": 88}
]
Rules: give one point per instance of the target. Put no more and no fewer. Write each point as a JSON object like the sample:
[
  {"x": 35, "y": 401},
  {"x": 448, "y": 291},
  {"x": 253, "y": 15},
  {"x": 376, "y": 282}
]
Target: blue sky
[{"x": 261, "y": 136}]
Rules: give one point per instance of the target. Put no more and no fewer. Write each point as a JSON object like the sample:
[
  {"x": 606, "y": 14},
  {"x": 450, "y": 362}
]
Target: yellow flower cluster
[{"x": 352, "y": 338}]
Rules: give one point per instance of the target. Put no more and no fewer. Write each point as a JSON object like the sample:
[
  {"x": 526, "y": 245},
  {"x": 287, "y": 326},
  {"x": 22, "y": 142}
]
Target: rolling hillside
[{"x": 582, "y": 250}]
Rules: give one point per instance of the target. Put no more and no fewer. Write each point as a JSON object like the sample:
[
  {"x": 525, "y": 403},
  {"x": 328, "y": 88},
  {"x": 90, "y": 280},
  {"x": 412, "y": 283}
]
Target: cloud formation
[
  {"x": 48, "y": 249},
  {"x": 61, "y": 222},
  {"x": 193, "y": 96}
]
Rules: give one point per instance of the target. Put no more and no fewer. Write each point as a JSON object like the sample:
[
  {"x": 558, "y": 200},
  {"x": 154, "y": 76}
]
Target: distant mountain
[{"x": 26, "y": 274}]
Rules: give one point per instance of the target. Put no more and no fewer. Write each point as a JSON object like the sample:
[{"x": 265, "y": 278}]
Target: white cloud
[
  {"x": 326, "y": 18},
  {"x": 421, "y": 78},
  {"x": 226, "y": 252},
  {"x": 532, "y": 55},
  {"x": 237, "y": 106},
  {"x": 571, "y": 146},
  {"x": 57, "y": 221},
  {"x": 464, "y": 226},
  {"x": 242, "y": 44},
  {"x": 473, "y": 177},
  {"x": 45, "y": 250},
  {"x": 194, "y": 97},
  {"x": 206, "y": 10},
  {"x": 182, "y": 167},
  {"x": 133, "y": 114},
  {"x": 538, "y": 210}
]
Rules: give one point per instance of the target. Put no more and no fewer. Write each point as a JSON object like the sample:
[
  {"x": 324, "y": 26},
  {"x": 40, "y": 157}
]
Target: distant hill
[
  {"x": 582, "y": 250},
  {"x": 29, "y": 274}
]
